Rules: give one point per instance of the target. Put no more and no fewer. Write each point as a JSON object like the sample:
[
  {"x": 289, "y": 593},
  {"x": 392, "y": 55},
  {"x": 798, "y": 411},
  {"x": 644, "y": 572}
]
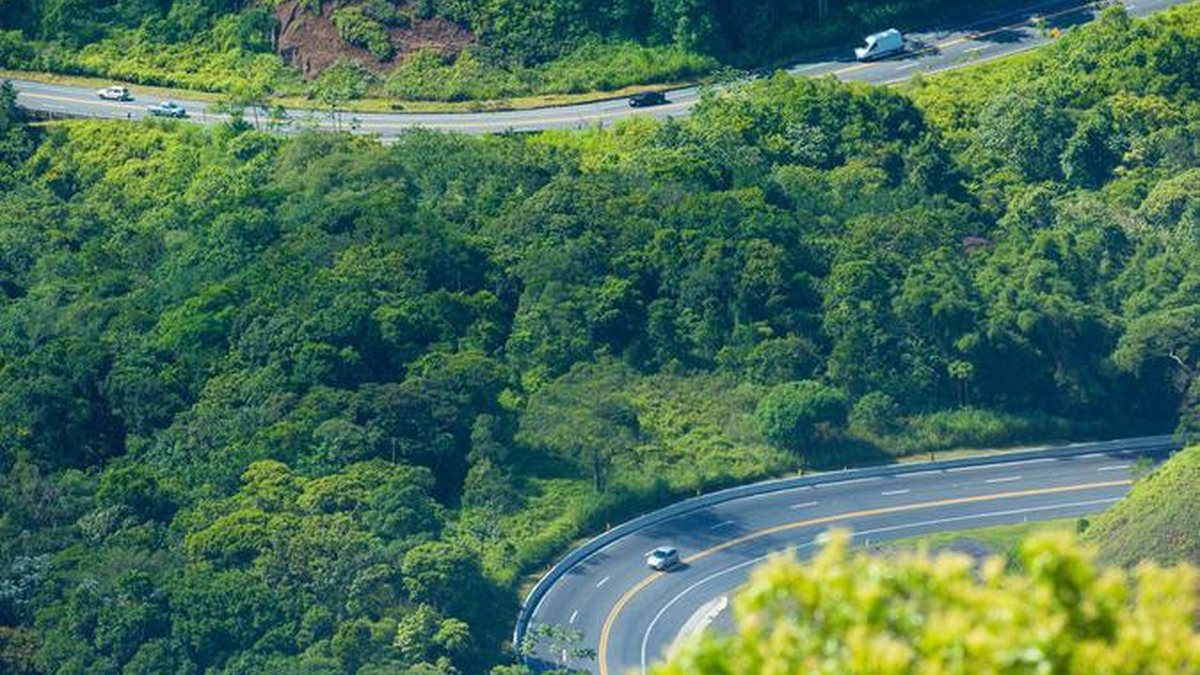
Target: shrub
[
  {"x": 356, "y": 28},
  {"x": 857, "y": 613},
  {"x": 795, "y": 414},
  {"x": 15, "y": 52},
  {"x": 876, "y": 413},
  {"x": 386, "y": 13}
]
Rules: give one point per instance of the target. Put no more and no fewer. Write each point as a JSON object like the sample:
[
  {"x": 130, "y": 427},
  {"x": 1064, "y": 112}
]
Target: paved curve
[
  {"x": 631, "y": 615},
  {"x": 984, "y": 38}
]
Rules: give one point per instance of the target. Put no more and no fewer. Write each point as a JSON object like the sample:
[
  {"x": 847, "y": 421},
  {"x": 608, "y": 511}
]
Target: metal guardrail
[{"x": 533, "y": 599}]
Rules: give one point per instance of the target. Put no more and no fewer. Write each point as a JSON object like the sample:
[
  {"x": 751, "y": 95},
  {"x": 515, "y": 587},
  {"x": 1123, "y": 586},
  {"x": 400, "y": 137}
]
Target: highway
[
  {"x": 631, "y": 615},
  {"x": 937, "y": 49}
]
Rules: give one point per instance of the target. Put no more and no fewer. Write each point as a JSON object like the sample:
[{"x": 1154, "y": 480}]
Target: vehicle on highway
[
  {"x": 115, "y": 93},
  {"x": 662, "y": 558},
  {"x": 646, "y": 99},
  {"x": 881, "y": 45},
  {"x": 167, "y": 109}
]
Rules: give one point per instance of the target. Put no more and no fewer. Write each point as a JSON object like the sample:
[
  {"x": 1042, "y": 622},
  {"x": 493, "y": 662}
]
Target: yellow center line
[
  {"x": 68, "y": 99},
  {"x": 610, "y": 620}
]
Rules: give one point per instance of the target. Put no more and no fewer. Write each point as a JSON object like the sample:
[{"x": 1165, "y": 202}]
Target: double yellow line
[{"x": 611, "y": 619}]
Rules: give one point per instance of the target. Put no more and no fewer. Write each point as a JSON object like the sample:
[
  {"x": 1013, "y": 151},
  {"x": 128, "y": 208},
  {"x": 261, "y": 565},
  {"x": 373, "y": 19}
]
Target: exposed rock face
[{"x": 310, "y": 42}]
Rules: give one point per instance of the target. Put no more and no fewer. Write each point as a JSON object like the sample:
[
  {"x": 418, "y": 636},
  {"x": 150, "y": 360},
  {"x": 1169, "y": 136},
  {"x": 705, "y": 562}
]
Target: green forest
[
  {"x": 318, "y": 404},
  {"x": 516, "y": 47}
]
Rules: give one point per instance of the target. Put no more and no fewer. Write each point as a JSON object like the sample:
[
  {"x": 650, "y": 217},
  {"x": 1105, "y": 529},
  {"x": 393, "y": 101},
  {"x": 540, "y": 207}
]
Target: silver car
[
  {"x": 662, "y": 558},
  {"x": 167, "y": 109}
]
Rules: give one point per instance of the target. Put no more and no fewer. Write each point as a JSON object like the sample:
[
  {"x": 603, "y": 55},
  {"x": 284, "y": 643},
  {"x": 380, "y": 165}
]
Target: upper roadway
[
  {"x": 983, "y": 38},
  {"x": 631, "y": 615}
]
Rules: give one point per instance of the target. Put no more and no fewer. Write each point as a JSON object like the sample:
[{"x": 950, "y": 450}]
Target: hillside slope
[
  {"x": 1157, "y": 521},
  {"x": 449, "y": 50},
  {"x": 313, "y": 404}
]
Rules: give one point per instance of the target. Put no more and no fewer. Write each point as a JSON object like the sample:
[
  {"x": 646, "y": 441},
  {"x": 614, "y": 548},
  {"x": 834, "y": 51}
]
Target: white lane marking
[
  {"x": 1090, "y": 455},
  {"x": 980, "y": 48},
  {"x": 889, "y": 493},
  {"x": 892, "y": 528},
  {"x": 811, "y": 66},
  {"x": 1003, "y": 465},
  {"x": 1114, "y": 467},
  {"x": 1006, "y": 479},
  {"x": 846, "y": 482},
  {"x": 574, "y": 615},
  {"x": 1130, "y": 445},
  {"x": 700, "y": 620},
  {"x": 728, "y": 522},
  {"x": 805, "y": 505},
  {"x": 602, "y": 582},
  {"x": 906, "y": 66},
  {"x": 920, "y": 473},
  {"x": 1032, "y": 44}
]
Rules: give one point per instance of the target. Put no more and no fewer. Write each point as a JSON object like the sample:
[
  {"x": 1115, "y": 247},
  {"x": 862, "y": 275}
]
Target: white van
[{"x": 881, "y": 45}]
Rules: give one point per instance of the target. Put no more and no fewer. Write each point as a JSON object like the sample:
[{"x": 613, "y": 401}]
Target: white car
[
  {"x": 662, "y": 558},
  {"x": 115, "y": 93}
]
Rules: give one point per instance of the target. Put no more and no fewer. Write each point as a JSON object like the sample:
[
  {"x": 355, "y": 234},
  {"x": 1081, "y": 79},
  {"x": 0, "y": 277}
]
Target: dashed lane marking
[{"x": 611, "y": 619}]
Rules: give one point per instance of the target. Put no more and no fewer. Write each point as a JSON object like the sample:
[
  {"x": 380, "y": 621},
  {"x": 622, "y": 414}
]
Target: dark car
[{"x": 647, "y": 99}]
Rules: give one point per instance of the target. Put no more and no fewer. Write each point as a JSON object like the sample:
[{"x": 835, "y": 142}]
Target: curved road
[
  {"x": 632, "y": 615},
  {"x": 985, "y": 38}
]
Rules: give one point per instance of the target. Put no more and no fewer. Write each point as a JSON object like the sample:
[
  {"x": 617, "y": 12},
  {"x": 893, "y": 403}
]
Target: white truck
[{"x": 881, "y": 45}]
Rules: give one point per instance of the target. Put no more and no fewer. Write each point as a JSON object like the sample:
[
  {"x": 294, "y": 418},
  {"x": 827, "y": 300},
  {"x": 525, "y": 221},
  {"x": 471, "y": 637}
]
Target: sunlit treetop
[{"x": 853, "y": 612}]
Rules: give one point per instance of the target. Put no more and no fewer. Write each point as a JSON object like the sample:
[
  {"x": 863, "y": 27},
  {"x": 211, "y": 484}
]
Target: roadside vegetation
[
  {"x": 437, "y": 50},
  {"x": 317, "y": 404},
  {"x": 1157, "y": 521},
  {"x": 1000, "y": 541},
  {"x": 1033, "y": 595},
  {"x": 853, "y": 613}
]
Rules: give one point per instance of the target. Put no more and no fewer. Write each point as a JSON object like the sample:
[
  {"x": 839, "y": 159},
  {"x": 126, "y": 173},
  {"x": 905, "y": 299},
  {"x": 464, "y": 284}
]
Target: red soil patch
[{"x": 311, "y": 43}]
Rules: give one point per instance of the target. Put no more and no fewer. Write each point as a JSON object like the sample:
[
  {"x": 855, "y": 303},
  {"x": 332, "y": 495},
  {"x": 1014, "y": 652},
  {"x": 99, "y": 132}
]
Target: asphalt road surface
[
  {"x": 632, "y": 615},
  {"x": 984, "y": 38}
]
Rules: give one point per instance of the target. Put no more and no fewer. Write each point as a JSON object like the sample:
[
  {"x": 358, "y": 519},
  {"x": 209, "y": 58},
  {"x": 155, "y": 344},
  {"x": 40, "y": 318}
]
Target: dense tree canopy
[{"x": 316, "y": 403}]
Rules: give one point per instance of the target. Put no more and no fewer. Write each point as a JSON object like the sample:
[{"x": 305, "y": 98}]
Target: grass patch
[
  {"x": 1001, "y": 540},
  {"x": 1157, "y": 520}
]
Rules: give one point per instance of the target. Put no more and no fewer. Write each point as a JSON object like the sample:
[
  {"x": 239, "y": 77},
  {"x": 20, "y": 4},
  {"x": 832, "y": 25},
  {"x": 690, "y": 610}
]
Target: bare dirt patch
[{"x": 310, "y": 42}]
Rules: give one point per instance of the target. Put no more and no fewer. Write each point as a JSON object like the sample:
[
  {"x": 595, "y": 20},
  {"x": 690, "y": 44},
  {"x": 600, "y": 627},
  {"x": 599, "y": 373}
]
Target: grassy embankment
[{"x": 1158, "y": 520}]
